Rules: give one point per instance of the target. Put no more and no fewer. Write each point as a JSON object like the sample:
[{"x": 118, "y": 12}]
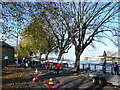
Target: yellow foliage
[
  {"x": 43, "y": 7},
  {"x": 15, "y": 55},
  {"x": 56, "y": 9},
  {"x": 6, "y": 5},
  {"x": 67, "y": 3},
  {"x": 58, "y": 14}
]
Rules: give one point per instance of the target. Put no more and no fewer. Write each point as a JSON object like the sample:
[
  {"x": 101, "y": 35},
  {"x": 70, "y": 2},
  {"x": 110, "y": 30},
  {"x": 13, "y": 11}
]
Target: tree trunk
[
  {"x": 40, "y": 55},
  {"x": 59, "y": 56},
  {"x": 77, "y": 62},
  {"x": 46, "y": 58}
]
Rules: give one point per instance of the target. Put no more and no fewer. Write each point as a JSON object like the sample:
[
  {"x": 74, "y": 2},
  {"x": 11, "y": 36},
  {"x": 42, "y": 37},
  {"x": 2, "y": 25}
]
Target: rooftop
[{"x": 4, "y": 44}]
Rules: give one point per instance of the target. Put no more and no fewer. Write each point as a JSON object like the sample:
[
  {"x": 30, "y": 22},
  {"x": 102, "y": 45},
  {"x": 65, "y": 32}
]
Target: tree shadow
[
  {"x": 51, "y": 75},
  {"x": 94, "y": 87},
  {"x": 69, "y": 81},
  {"x": 83, "y": 81}
]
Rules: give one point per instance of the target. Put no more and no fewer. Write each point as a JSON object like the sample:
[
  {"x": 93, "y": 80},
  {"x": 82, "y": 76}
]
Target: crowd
[
  {"x": 56, "y": 66},
  {"x": 32, "y": 62}
]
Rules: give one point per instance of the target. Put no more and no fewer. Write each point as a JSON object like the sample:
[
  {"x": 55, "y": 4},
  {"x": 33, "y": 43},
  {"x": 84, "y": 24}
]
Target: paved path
[{"x": 69, "y": 80}]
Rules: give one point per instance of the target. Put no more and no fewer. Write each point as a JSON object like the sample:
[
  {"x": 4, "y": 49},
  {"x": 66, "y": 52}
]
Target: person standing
[
  {"x": 104, "y": 63},
  {"x": 116, "y": 69},
  {"x": 104, "y": 67},
  {"x": 23, "y": 60},
  {"x": 47, "y": 64},
  {"x": 26, "y": 62},
  {"x": 57, "y": 67},
  {"x": 16, "y": 61},
  {"x": 6, "y": 60}
]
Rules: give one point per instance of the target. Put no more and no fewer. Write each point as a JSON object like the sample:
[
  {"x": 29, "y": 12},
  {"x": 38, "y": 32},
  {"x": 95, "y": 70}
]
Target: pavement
[{"x": 69, "y": 80}]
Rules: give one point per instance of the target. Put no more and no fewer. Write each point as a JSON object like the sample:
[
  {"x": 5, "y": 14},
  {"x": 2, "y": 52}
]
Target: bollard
[
  {"x": 83, "y": 66},
  {"x": 111, "y": 69},
  {"x": 95, "y": 67},
  {"x": 88, "y": 65}
]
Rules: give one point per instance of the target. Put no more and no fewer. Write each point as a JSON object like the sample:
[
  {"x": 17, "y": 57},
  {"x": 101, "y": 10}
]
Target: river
[{"x": 109, "y": 66}]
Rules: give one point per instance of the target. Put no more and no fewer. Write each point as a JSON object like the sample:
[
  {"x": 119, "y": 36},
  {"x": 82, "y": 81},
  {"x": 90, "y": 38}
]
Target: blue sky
[{"x": 88, "y": 51}]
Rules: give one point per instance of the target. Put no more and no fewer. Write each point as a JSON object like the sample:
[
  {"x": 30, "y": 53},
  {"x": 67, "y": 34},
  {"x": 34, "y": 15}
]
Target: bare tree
[
  {"x": 21, "y": 14},
  {"x": 87, "y": 22},
  {"x": 63, "y": 40},
  {"x": 82, "y": 22}
]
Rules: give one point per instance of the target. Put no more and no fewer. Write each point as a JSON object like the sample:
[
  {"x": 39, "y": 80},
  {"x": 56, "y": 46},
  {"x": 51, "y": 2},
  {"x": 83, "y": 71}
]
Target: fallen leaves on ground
[
  {"x": 20, "y": 85},
  {"x": 13, "y": 77}
]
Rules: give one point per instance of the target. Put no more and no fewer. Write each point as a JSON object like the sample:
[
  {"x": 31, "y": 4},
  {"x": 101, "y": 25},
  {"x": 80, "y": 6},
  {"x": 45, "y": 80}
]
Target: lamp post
[
  {"x": 17, "y": 44},
  {"x": 16, "y": 55},
  {"x": 118, "y": 40},
  {"x": 118, "y": 43},
  {"x": 119, "y": 47}
]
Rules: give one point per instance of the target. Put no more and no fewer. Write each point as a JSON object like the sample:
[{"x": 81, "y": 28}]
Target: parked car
[
  {"x": 104, "y": 78},
  {"x": 35, "y": 59}
]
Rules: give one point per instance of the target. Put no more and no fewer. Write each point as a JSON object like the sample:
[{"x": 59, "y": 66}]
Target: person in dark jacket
[
  {"x": 116, "y": 69},
  {"x": 57, "y": 67},
  {"x": 104, "y": 67}
]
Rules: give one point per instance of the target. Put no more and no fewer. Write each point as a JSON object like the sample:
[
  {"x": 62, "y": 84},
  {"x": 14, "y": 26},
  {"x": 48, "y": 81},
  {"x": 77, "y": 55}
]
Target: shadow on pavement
[{"x": 94, "y": 87}]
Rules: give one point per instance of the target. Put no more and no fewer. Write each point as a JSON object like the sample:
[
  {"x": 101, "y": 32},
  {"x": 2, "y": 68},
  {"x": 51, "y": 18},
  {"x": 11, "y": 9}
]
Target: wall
[{"x": 9, "y": 52}]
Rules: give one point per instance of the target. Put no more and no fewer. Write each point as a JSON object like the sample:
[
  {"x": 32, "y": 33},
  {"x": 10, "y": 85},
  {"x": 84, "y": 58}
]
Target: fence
[{"x": 96, "y": 67}]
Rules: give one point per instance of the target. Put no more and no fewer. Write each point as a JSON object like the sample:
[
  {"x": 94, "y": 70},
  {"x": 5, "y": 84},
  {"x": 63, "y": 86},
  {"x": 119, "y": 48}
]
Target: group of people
[
  {"x": 29, "y": 62},
  {"x": 56, "y": 66},
  {"x": 33, "y": 63},
  {"x": 115, "y": 68}
]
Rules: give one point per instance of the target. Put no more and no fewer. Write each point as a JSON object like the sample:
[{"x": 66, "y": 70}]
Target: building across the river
[{"x": 101, "y": 59}]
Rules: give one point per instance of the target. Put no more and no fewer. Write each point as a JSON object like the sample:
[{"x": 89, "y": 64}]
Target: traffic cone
[
  {"x": 51, "y": 82},
  {"x": 36, "y": 71}
]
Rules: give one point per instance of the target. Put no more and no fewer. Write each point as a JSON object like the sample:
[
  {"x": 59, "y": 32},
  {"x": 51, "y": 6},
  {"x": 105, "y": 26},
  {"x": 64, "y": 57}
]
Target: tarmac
[{"x": 69, "y": 80}]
